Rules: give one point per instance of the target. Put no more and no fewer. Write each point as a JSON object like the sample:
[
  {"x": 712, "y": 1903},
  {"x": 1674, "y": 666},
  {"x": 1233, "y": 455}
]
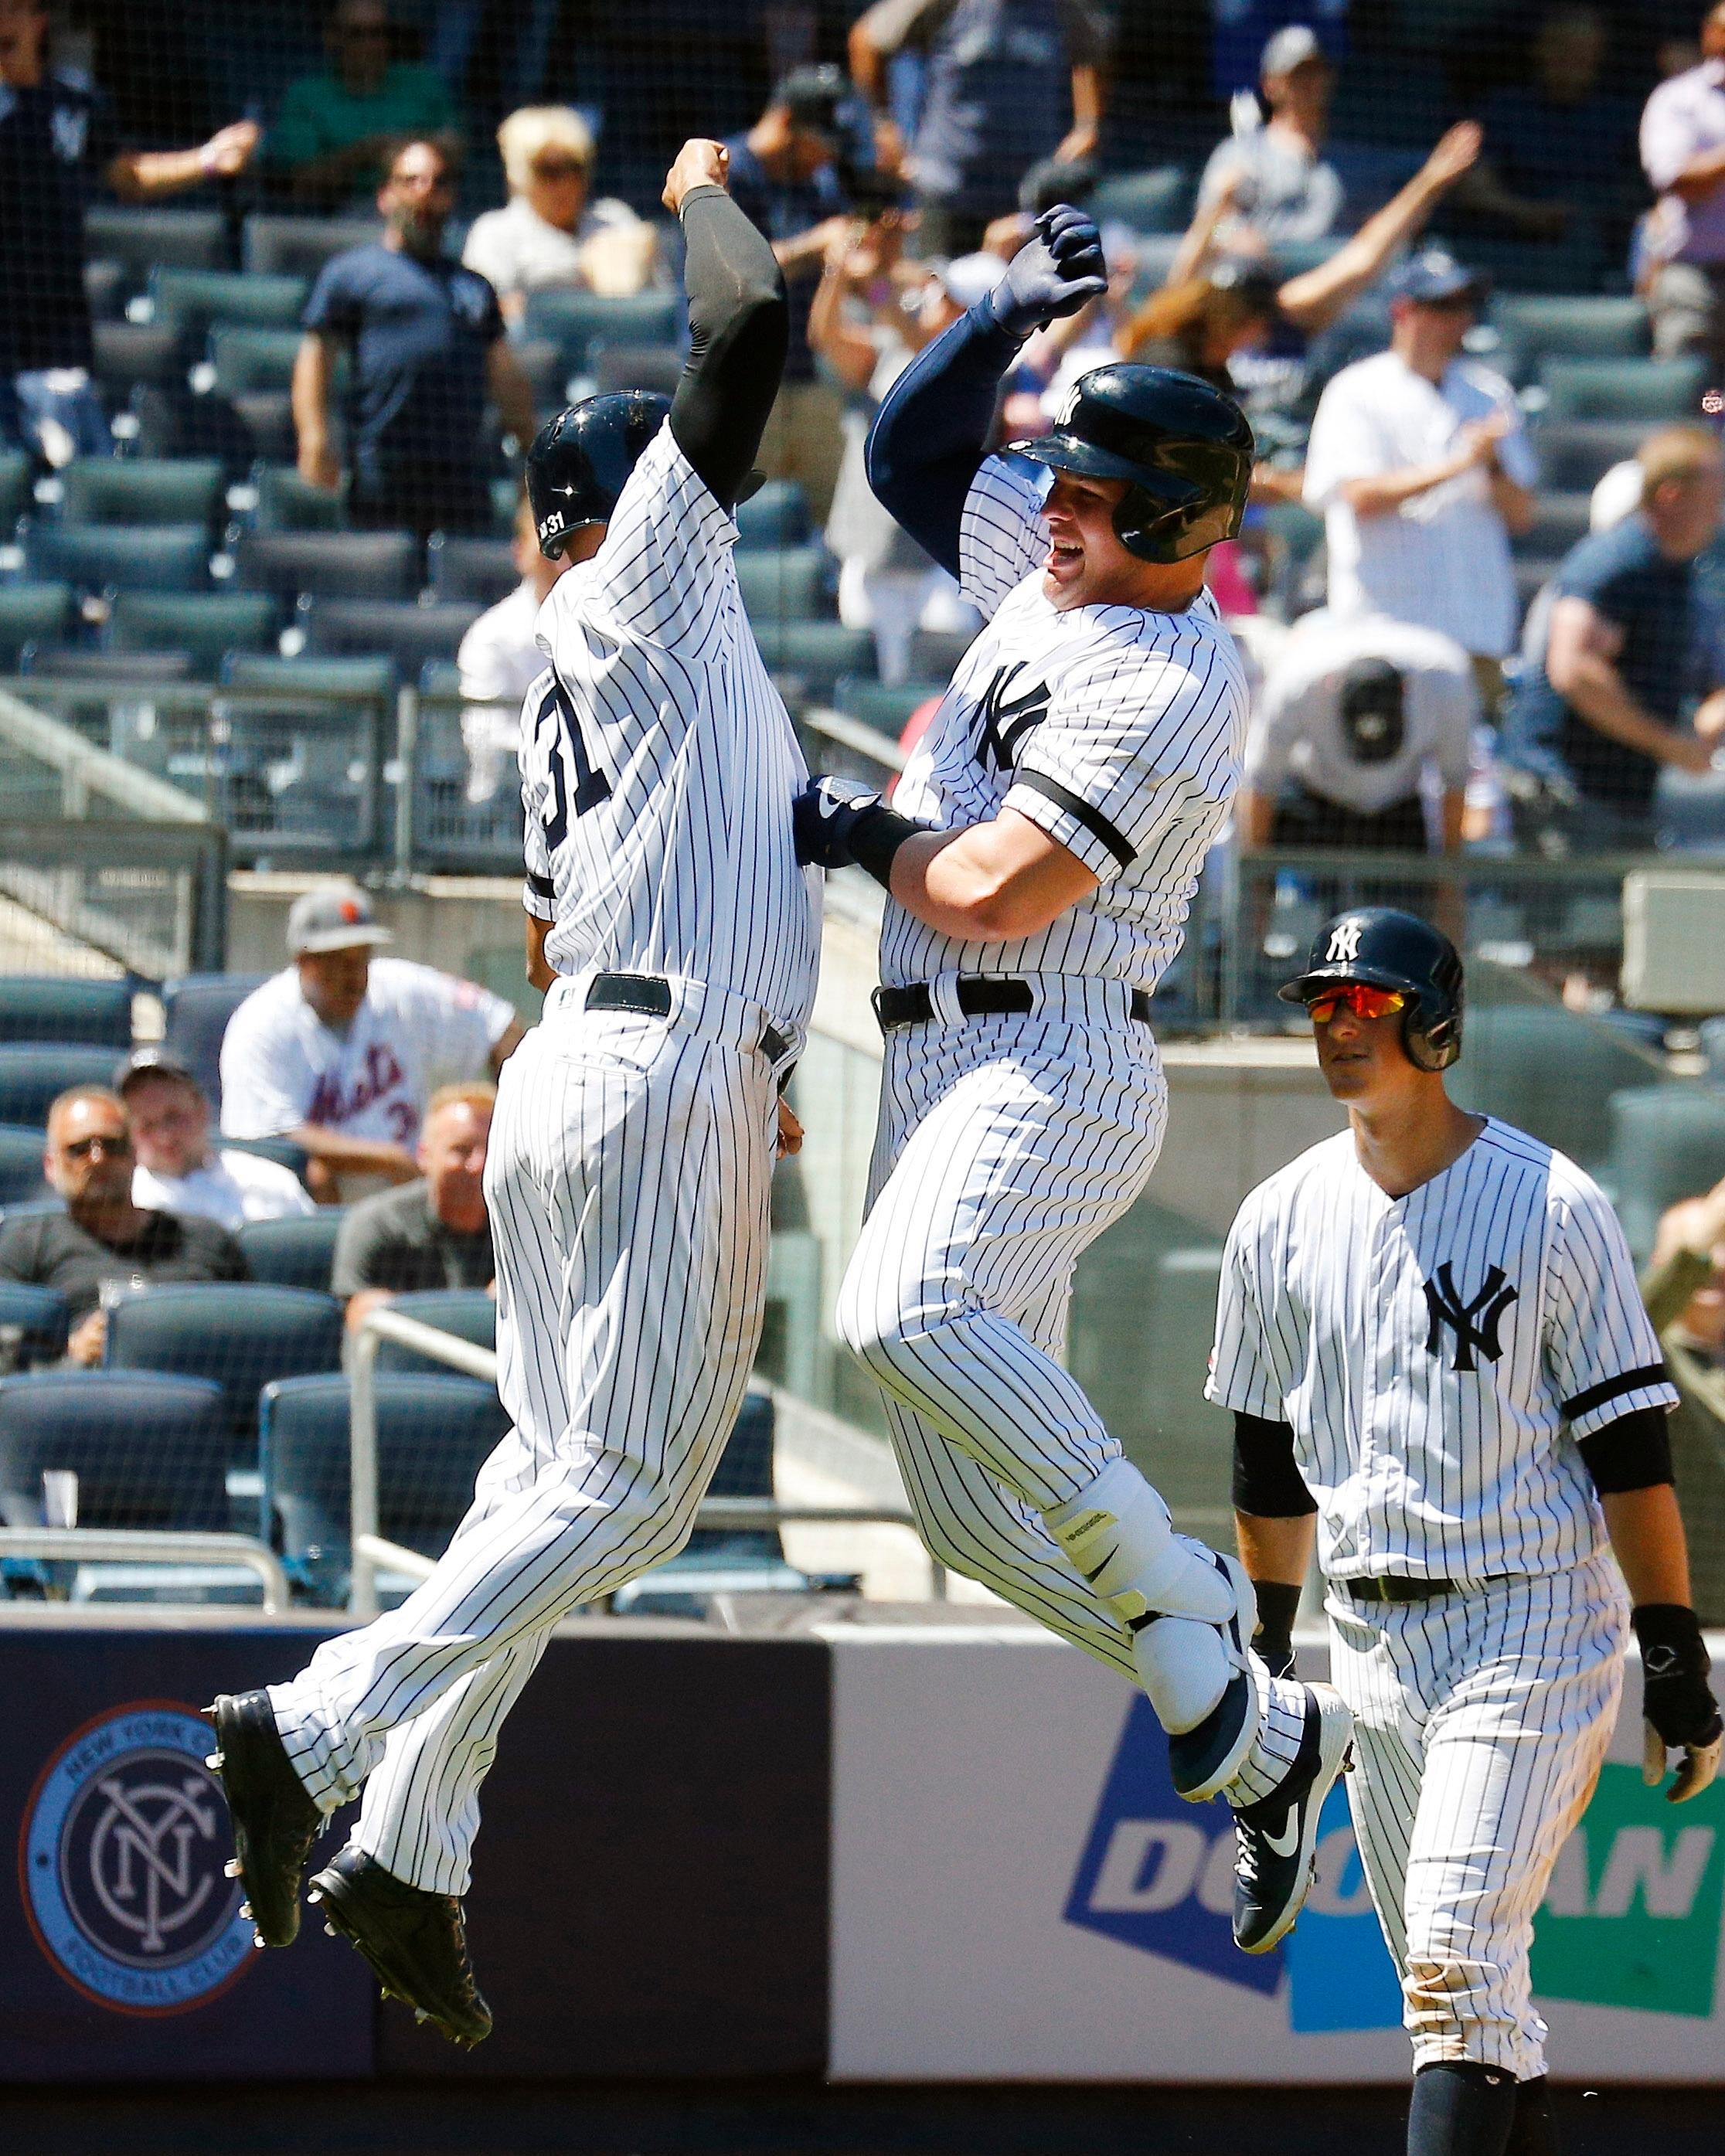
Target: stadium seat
[
  {"x": 128, "y": 353},
  {"x": 816, "y": 653},
  {"x": 1574, "y": 454},
  {"x": 1159, "y": 200},
  {"x": 1514, "y": 1051},
  {"x": 21, "y": 1181},
  {"x": 409, "y": 632},
  {"x": 468, "y": 1312},
  {"x": 480, "y": 570},
  {"x": 615, "y": 366},
  {"x": 1689, "y": 812},
  {"x": 288, "y": 503},
  {"x": 141, "y": 239},
  {"x": 282, "y": 1151},
  {"x": 105, "y": 285},
  {"x": 122, "y": 669},
  {"x": 777, "y": 515},
  {"x": 15, "y": 485},
  {"x": 245, "y": 358},
  {"x": 1534, "y": 327},
  {"x": 196, "y": 1009},
  {"x": 39, "y": 1315},
  {"x": 574, "y": 320},
  {"x": 337, "y": 565},
  {"x": 300, "y": 246},
  {"x": 48, "y": 1007},
  {"x": 205, "y": 625},
  {"x": 264, "y": 418},
  {"x": 935, "y": 653},
  {"x": 34, "y": 1073},
  {"x": 122, "y": 557},
  {"x": 193, "y": 301},
  {"x": 1649, "y": 390},
  {"x": 1667, "y": 1143},
  {"x": 294, "y": 1251},
  {"x": 434, "y": 1434},
  {"x": 149, "y": 1449},
  {"x": 141, "y": 491},
  {"x": 887, "y": 709},
  {"x": 439, "y": 678},
  {"x": 368, "y": 677},
  {"x": 239, "y": 1334},
  {"x": 1559, "y": 520},
  {"x": 1370, "y": 173},
  {"x": 786, "y": 583},
  {"x": 38, "y": 613}
]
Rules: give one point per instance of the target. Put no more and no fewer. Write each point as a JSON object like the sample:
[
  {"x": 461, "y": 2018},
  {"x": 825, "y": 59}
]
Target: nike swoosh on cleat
[{"x": 1287, "y": 1842}]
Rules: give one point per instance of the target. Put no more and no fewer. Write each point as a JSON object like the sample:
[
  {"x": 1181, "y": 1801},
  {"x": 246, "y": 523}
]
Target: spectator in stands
[
  {"x": 1279, "y": 189},
  {"x": 1353, "y": 718},
  {"x": 1630, "y": 642},
  {"x": 785, "y": 178},
  {"x": 1683, "y": 155},
  {"x": 335, "y": 133},
  {"x": 105, "y": 1240},
  {"x": 426, "y": 347},
  {"x": 57, "y": 147},
  {"x": 1007, "y": 82},
  {"x": 499, "y": 660},
  {"x": 552, "y": 235},
  {"x": 341, "y": 1052},
  {"x": 177, "y": 1170},
  {"x": 1683, "y": 1287},
  {"x": 432, "y": 1232},
  {"x": 1418, "y": 464}
]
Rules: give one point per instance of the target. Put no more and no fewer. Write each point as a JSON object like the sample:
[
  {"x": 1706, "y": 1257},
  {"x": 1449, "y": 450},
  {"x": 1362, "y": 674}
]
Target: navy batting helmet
[
  {"x": 1184, "y": 448},
  {"x": 1386, "y": 949},
  {"x": 579, "y": 464}
]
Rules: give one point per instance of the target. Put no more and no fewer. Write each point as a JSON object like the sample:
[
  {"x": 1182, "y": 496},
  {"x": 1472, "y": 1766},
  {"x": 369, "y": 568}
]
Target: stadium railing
[{"x": 149, "y": 1546}]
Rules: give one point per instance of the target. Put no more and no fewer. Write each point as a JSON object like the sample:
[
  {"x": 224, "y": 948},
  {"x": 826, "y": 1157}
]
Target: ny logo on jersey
[
  {"x": 1344, "y": 943},
  {"x": 1003, "y": 721},
  {"x": 1475, "y": 1323}
]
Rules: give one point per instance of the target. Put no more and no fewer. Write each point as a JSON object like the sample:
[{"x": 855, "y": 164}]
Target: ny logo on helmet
[
  {"x": 1475, "y": 1323},
  {"x": 1069, "y": 403},
  {"x": 1344, "y": 943}
]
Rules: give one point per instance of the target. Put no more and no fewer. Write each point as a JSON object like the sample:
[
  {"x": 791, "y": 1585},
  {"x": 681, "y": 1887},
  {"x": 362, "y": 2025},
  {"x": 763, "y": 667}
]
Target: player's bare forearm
[
  {"x": 991, "y": 883},
  {"x": 505, "y": 1044},
  {"x": 1279, "y": 1550},
  {"x": 1647, "y": 1539},
  {"x": 360, "y": 1307},
  {"x": 541, "y": 973}
]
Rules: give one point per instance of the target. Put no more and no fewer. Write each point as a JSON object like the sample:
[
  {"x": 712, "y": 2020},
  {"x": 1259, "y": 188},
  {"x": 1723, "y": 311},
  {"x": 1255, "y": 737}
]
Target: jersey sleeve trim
[
  {"x": 1611, "y": 1389},
  {"x": 1078, "y": 808},
  {"x": 1267, "y": 1481},
  {"x": 1632, "y": 1453},
  {"x": 541, "y": 886}
]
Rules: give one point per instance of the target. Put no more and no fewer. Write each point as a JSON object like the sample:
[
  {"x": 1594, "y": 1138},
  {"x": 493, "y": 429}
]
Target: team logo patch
[
  {"x": 1475, "y": 1323},
  {"x": 121, "y": 1855},
  {"x": 1003, "y": 721}
]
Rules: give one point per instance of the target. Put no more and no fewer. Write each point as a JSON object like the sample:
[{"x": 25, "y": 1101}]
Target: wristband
[{"x": 876, "y": 837}]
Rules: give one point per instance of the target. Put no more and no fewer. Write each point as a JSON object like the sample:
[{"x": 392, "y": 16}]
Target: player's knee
[
  {"x": 1448, "y": 1991},
  {"x": 875, "y": 1328}
]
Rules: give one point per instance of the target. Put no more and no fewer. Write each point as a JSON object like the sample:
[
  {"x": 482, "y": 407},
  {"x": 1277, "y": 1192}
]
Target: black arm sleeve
[
  {"x": 1633, "y": 1453},
  {"x": 739, "y": 325},
  {"x": 1266, "y": 1482}
]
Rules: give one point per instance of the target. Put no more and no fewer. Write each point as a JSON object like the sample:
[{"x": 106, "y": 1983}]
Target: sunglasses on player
[{"x": 1357, "y": 997}]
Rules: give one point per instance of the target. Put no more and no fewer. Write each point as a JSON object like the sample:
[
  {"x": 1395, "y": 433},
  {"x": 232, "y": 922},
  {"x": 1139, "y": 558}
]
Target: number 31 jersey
[{"x": 658, "y": 763}]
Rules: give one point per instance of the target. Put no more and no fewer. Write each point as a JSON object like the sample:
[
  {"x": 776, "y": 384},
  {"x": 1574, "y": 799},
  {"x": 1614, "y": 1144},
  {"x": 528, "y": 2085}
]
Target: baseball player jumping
[
  {"x": 1039, "y": 857},
  {"x": 634, "y": 1142},
  {"x": 1431, "y": 1338}
]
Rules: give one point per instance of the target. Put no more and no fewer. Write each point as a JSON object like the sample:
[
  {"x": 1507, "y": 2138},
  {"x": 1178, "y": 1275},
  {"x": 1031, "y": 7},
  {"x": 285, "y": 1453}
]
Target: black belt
[
  {"x": 651, "y": 996},
  {"x": 979, "y": 995},
  {"x": 1386, "y": 1588}
]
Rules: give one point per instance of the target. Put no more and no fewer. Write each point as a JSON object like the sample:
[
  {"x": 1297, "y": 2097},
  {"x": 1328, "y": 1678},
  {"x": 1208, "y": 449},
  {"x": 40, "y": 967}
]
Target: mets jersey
[
  {"x": 1118, "y": 731},
  {"x": 1438, "y": 1355},
  {"x": 659, "y": 764}
]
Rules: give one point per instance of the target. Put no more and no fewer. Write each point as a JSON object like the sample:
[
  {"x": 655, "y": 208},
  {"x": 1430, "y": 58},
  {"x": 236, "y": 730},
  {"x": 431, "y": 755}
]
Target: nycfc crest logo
[
  {"x": 1344, "y": 943},
  {"x": 122, "y": 1852}
]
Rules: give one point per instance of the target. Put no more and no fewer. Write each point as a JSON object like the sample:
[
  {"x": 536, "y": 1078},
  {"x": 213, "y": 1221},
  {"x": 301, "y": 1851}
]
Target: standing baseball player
[
  {"x": 1042, "y": 850},
  {"x": 1431, "y": 1338},
  {"x": 633, "y": 1145}
]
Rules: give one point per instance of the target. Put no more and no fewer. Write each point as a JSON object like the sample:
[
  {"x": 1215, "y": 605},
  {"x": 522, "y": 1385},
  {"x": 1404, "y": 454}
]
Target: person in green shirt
[
  {"x": 334, "y": 129},
  {"x": 1683, "y": 1287}
]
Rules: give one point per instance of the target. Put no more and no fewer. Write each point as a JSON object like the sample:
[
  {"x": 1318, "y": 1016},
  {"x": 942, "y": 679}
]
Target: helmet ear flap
[{"x": 1430, "y": 1047}]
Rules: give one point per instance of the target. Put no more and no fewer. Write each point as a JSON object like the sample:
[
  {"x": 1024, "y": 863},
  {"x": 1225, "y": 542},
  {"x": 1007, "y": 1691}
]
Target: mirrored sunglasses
[{"x": 1362, "y": 1000}]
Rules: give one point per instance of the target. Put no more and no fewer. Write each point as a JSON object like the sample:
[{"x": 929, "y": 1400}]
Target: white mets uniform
[
  {"x": 629, "y": 1161},
  {"x": 1437, "y": 1357}
]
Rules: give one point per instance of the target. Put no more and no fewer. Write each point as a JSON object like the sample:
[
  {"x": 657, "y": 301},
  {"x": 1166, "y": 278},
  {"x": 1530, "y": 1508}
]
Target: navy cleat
[
  {"x": 1275, "y": 1839},
  {"x": 275, "y": 1820},
  {"x": 414, "y": 1940}
]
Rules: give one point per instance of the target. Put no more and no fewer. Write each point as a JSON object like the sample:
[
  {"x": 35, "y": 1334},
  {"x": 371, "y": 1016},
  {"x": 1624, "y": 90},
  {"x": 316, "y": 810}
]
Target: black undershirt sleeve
[
  {"x": 1633, "y": 1453},
  {"x": 739, "y": 325},
  {"x": 1266, "y": 1482}
]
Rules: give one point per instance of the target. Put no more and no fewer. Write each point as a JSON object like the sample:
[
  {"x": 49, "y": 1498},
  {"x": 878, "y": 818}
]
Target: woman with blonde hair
[{"x": 550, "y": 234}]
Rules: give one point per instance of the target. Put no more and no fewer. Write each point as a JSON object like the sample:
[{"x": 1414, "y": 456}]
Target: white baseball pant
[
  {"x": 1480, "y": 1722},
  {"x": 628, "y": 1184}
]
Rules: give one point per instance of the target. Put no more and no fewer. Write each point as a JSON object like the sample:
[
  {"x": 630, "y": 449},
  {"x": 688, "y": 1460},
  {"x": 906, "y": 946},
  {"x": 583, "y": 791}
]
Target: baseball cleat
[
  {"x": 1204, "y": 1760},
  {"x": 274, "y": 1821},
  {"x": 414, "y": 1939},
  {"x": 1276, "y": 1839}
]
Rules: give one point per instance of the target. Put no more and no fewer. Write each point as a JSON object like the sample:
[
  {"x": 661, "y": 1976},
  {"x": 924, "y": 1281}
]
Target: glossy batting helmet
[
  {"x": 1184, "y": 448},
  {"x": 579, "y": 464},
  {"x": 1386, "y": 949}
]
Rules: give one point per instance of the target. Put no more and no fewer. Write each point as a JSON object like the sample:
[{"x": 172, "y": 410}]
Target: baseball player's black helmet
[
  {"x": 1390, "y": 950},
  {"x": 579, "y": 463},
  {"x": 1183, "y": 448}
]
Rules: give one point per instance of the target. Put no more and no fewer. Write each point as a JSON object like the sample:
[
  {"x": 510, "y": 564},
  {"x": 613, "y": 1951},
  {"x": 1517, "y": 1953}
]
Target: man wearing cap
[
  {"x": 177, "y": 1170},
  {"x": 1419, "y": 466},
  {"x": 1280, "y": 189},
  {"x": 340, "y": 1051}
]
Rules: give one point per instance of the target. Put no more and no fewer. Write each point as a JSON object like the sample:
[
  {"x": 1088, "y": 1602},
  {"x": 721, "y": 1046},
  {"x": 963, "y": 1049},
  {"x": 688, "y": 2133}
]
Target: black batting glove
[
  {"x": 1680, "y": 1711},
  {"x": 1060, "y": 271},
  {"x": 824, "y": 814}
]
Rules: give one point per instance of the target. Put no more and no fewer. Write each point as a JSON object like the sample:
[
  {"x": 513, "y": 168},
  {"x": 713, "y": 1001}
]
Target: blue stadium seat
[
  {"x": 121, "y": 667},
  {"x": 50, "y": 1007},
  {"x": 205, "y": 625},
  {"x": 33, "y": 1073},
  {"x": 314, "y": 676},
  {"x": 21, "y": 1181},
  {"x": 288, "y": 503},
  {"x": 786, "y": 583},
  {"x": 468, "y": 1312},
  {"x": 141, "y": 238},
  {"x": 122, "y": 557},
  {"x": 245, "y": 358},
  {"x": 935, "y": 653},
  {"x": 282, "y": 1151},
  {"x": 193, "y": 300},
  {"x": 16, "y": 481},
  {"x": 1574, "y": 454},
  {"x": 440, "y": 677},
  {"x": 337, "y": 565},
  {"x": 886, "y": 708},
  {"x": 574, "y": 320},
  {"x": 480, "y": 570},
  {"x": 294, "y": 1251},
  {"x": 38, "y": 613},
  {"x": 240, "y": 1334},
  {"x": 40, "y": 1313},
  {"x": 1159, "y": 200},
  {"x": 153, "y": 490},
  {"x": 197, "y": 1008},
  {"x": 300, "y": 246},
  {"x": 1535, "y": 327},
  {"x": 434, "y": 1434},
  {"x": 1559, "y": 521},
  {"x": 409, "y": 632},
  {"x": 127, "y": 354},
  {"x": 814, "y": 653},
  {"x": 149, "y": 1450},
  {"x": 1647, "y": 390},
  {"x": 1667, "y": 1143},
  {"x": 1513, "y": 1051},
  {"x": 777, "y": 515}
]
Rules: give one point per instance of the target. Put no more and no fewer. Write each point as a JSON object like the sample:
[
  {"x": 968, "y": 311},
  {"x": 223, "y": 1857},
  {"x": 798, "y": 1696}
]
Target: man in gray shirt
[
  {"x": 1280, "y": 190},
  {"x": 431, "y": 1233}
]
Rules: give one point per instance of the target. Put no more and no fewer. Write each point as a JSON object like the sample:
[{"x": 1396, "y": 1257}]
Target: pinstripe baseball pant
[
  {"x": 628, "y": 1184},
  {"x": 1480, "y": 1722}
]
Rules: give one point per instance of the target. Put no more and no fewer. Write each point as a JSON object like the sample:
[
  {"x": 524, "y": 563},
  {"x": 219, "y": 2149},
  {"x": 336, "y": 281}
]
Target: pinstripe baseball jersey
[
  {"x": 1118, "y": 731},
  {"x": 659, "y": 764},
  {"x": 1437, "y": 1355}
]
